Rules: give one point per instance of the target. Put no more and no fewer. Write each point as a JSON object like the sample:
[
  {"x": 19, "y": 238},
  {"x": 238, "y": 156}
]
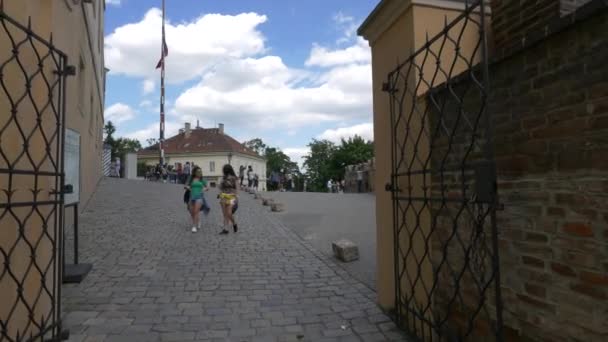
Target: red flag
[{"x": 165, "y": 54}]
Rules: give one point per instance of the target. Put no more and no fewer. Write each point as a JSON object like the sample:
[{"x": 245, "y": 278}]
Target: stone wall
[
  {"x": 350, "y": 177},
  {"x": 549, "y": 108}
]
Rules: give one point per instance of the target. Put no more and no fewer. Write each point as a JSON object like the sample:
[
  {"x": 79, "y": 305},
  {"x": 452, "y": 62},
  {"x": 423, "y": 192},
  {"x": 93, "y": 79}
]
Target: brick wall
[
  {"x": 569, "y": 6},
  {"x": 549, "y": 106},
  {"x": 512, "y": 19}
]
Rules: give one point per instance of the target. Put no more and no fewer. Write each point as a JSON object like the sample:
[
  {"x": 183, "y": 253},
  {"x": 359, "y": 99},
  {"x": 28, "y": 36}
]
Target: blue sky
[{"x": 285, "y": 71}]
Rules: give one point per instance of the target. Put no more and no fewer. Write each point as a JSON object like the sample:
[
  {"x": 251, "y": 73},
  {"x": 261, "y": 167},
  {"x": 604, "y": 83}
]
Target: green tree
[
  {"x": 318, "y": 163},
  {"x": 355, "y": 150},
  {"x": 276, "y": 160},
  {"x": 120, "y": 146},
  {"x": 256, "y": 145}
]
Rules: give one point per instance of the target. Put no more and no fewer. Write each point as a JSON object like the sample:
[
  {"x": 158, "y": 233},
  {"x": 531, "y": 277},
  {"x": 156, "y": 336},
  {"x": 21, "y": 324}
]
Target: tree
[
  {"x": 318, "y": 163},
  {"x": 276, "y": 160},
  {"x": 355, "y": 150},
  {"x": 151, "y": 141},
  {"x": 327, "y": 161},
  {"x": 120, "y": 146},
  {"x": 256, "y": 145},
  {"x": 109, "y": 129}
]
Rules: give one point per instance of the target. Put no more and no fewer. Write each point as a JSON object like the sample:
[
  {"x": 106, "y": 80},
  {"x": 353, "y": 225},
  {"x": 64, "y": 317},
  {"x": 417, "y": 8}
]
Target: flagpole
[{"x": 162, "y": 92}]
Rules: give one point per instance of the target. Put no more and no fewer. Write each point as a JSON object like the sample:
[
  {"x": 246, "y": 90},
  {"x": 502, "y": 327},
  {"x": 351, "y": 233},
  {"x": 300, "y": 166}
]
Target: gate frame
[
  {"x": 55, "y": 328},
  {"x": 489, "y": 186}
]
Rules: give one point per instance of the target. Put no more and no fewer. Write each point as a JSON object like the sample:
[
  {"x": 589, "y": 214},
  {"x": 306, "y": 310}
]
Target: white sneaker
[{"x": 194, "y": 229}]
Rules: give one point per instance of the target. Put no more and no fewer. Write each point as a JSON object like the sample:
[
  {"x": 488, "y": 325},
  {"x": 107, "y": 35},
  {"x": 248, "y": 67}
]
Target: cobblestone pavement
[{"x": 154, "y": 280}]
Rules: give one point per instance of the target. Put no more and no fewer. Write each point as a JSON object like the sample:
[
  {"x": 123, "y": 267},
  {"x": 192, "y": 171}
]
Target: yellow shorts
[{"x": 227, "y": 198}]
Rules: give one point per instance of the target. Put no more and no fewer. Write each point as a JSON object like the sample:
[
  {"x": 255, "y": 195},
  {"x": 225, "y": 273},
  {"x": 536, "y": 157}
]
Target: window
[{"x": 211, "y": 166}]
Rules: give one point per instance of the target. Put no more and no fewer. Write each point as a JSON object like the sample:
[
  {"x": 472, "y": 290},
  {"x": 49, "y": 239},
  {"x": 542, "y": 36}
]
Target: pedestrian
[
  {"x": 329, "y": 185},
  {"x": 359, "y": 181},
  {"x": 250, "y": 177},
  {"x": 187, "y": 171},
  {"x": 118, "y": 167},
  {"x": 256, "y": 181},
  {"x": 228, "y": 197},
  {"x": 196, "y": 185},
  {"x": 241, "y": 174}
]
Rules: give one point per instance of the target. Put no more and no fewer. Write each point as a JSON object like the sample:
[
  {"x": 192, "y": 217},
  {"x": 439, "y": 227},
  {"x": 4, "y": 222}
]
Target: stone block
[
  {"x": 277, "y": 207},
  {"x": 345, "y": 250}
]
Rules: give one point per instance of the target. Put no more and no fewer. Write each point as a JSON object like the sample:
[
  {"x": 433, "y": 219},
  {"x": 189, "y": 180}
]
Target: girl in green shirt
[{"x": 196, "y": 185}]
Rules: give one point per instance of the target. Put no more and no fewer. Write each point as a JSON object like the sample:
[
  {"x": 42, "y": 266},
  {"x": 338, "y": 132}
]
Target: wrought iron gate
[
  {"x": 32, "y": 102},
  {"x": 443, "y": 186}
]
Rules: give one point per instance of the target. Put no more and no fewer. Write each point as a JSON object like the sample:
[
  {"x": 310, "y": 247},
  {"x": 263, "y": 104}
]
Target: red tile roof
[{"x": 200, "y": 140}]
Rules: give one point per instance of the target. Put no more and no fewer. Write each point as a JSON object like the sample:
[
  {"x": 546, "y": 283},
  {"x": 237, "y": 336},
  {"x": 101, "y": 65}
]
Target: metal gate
[
  {"x": 443, "y": 186},
  {"x": 32, "y": 102}
]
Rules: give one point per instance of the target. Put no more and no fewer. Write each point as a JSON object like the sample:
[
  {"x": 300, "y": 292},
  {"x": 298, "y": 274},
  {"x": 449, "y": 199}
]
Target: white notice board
[{"x": 72, "y": 165}]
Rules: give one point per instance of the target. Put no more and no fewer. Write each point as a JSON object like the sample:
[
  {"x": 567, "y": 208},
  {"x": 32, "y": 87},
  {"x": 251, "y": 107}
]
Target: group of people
[
  {"x": 335, "y": 186},
  {"x": 253, "y": 180},
  {"x": 167, "y": 173},
  {"x": 195, "y": 200},
  {"x": 279, "y": 181}
]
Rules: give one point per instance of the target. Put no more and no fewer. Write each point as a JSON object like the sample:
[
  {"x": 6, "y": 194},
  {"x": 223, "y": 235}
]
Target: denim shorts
[{"x": 198, "y": 200}]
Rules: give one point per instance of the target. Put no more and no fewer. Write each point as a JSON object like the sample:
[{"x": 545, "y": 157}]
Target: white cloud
[
  {"x": 113, "y": 2},
  {"x": 296, "y": 154},
  {"x": 119, "y": 112},
  {"x": 266, "y": 93},
  {"x": 324, "y": 57},
  {"x": 148, "y": 86},
  {"x": 366, "y": 131},
  {"x": 238, "y": 84},
  {"x": 134, "y": 49}
]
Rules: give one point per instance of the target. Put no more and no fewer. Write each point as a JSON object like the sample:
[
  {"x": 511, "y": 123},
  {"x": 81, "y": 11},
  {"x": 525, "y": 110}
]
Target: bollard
[
  {"x": 345, "y": 250},
  {"x": 277, "y": 207}
]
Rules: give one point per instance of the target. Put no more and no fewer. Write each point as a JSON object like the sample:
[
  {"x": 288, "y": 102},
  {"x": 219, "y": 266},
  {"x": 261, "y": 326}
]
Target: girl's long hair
[
  {"x": 193, "y": 174},
  {"x": 227, "y": 170}
]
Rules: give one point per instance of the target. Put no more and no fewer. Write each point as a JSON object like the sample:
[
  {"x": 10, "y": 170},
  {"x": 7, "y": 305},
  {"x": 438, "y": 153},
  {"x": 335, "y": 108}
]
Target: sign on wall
[{"x": 72, "y": 165}]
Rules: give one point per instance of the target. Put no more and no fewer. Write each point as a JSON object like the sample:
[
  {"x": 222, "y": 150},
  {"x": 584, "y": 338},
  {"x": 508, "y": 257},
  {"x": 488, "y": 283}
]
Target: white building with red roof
[{"x": 208, "y": 148}]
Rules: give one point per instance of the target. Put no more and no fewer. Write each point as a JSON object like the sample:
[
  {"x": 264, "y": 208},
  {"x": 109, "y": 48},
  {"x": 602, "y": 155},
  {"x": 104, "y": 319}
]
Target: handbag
[
  {"x": 235, "y": 206},
  {"x": 187, "y": 196}
]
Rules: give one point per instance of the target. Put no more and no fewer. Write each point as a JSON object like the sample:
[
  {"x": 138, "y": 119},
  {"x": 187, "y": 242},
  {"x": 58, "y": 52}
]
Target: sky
[{"x": 284, "y": 71}]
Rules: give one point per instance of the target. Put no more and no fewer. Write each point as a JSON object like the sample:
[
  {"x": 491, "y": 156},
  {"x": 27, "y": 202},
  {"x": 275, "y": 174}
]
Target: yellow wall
[
  {"x": 394, "y": 30},
  {"x": 65, "y": 21}
]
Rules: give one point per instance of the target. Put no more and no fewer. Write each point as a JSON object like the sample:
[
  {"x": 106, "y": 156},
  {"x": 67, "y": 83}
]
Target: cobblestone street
[{"x": 154, "y": 280}]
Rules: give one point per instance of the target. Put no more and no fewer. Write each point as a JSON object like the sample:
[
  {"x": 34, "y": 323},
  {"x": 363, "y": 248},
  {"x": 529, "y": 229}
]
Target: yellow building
[
  {"x": 210, "y": 149},
  {"x": 51, "y": 119}
]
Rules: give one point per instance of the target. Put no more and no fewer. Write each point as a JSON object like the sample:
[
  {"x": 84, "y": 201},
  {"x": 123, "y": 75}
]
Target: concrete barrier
[
  {"x": 277, "y": 207},
  {"x": 345, "y": 250}
]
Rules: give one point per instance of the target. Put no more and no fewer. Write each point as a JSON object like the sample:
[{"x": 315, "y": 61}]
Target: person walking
[
  {"x": 256, "y": 181},
  {"x": 241, "y": 174},
  {"x": 250, "y": 177},
  {"x": 359, "y": 181},
  {"x": 187, "y": 172},
  {"x": 196, "y": 185},
  {"x": 228, "y": 197}
]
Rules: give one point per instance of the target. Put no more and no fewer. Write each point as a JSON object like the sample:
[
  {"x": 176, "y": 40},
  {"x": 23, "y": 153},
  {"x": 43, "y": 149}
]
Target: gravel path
[{"x": 154, "y": 280}]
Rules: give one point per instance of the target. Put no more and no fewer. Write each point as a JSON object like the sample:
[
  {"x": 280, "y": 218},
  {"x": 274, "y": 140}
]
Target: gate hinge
[{"x": 70, "y": 70}]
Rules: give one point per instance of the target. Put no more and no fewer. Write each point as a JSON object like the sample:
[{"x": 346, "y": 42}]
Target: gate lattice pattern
[
  {"x": 443, "y": 187},
  {"x": 32, "y": 88}
]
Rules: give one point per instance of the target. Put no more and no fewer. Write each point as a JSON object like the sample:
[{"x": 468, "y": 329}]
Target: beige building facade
[{"x": 51, "y": 86}]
